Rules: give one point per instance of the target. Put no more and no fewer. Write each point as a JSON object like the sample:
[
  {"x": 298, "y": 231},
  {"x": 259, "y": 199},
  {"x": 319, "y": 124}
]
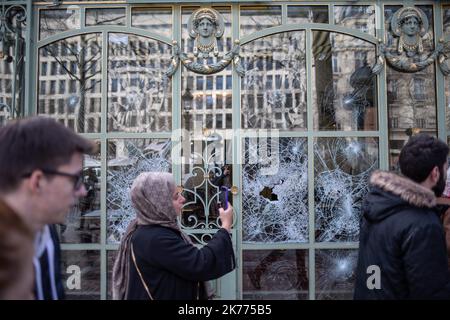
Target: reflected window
[
  {"x": 80, "y": 69},
  {"x": 109, "y": 16},
  {"x": 344, "y": 87},
  {"x": 419, "y": 89},
  {"x": 139, "y": 97},
  {"x": 361, "y": 18},
  {"x": 255, "y": 18},
  {"x": 55, "y": 21},
  {"x": 264, "y": 95},
  {"x": 158, "y": 20},
  {"x": 307, "y": 14}
]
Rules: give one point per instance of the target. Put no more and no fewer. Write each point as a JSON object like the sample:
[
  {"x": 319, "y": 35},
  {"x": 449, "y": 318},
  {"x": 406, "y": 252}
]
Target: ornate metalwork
[
  {"x": 203, "y": 193},
  {"x": 410, "y": 25},
  {"x": 12, "y": 22},
  {"x": 203, "y": 188},
  {"x": 205, "y": 26}
]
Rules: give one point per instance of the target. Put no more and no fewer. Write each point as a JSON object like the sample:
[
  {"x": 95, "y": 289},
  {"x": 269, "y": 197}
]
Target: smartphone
[
  {"x": 223, "y": 198},
  {"x": 226, "y": 196}
]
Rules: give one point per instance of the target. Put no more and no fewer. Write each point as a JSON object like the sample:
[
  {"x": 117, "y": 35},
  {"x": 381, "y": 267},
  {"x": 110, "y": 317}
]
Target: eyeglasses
[{"x": 77, "y": 178}]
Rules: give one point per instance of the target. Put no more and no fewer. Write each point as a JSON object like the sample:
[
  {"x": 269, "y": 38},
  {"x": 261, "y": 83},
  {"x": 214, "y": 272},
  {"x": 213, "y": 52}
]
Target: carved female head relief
[
  {"x": 410, "y": 24},
  {"x": 205, "y": 25}
]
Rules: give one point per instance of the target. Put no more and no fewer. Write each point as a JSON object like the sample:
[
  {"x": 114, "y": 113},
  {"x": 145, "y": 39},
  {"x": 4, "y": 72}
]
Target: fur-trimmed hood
[{"x": 390, "y": 191}]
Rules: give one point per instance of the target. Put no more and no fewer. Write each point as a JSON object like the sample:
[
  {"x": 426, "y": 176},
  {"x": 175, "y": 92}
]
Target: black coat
[
  {"x": 402, "y": 234},
  {"x": 174, "y": 269}
]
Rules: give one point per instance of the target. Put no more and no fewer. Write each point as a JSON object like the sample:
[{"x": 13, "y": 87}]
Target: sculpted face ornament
[
  {"x": 413, "y": 52},
  {"x": 410, "y": 24},
  {"x": 205, "y": 26}
]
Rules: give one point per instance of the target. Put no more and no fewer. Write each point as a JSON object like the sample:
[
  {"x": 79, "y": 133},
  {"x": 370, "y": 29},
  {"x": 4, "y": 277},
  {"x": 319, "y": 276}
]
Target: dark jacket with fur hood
[{"x": 402, "y": 234}]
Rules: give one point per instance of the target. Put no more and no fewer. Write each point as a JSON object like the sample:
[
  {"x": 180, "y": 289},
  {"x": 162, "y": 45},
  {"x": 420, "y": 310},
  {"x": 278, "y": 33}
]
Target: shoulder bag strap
[{"x": 140, "y": 274}]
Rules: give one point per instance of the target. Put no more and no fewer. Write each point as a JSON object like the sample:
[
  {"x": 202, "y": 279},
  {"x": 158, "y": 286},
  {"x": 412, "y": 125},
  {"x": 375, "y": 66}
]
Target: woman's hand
[{"x": 226, "y": 217}]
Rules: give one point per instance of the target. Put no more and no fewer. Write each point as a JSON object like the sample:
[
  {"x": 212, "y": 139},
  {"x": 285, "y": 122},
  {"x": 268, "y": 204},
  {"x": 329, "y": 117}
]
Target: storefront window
[{"x": 81, "y": 70}]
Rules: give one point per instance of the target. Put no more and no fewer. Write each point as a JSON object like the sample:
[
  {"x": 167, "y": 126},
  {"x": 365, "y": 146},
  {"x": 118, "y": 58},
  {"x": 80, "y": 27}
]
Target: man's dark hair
[
  {"x": 36, "y": 143},
  {"x": 420, "y": 155}
]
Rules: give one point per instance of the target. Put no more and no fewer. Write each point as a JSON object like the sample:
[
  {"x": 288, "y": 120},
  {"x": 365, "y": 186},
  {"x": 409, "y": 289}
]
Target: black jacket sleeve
[
  {"x": 212, "y": 261},
  {"x": 426, "y": 263}
]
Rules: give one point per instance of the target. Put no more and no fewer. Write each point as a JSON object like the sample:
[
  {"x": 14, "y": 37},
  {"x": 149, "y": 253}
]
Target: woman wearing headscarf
[{"x": 156, "y": 260}]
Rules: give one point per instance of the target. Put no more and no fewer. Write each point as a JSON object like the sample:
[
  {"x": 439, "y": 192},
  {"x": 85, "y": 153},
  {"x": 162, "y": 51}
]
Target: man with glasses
[{"x": 41, "y": 178}]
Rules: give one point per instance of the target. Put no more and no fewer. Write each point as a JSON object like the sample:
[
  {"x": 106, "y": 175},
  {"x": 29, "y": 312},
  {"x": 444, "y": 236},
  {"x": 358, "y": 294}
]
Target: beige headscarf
[{"x": 151, "y": 196}]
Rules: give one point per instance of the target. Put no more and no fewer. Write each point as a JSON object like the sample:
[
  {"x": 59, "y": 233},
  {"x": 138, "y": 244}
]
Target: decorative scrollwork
[
  {"x": 12, "y": 21},
  {"x": 8, "y": 31}
]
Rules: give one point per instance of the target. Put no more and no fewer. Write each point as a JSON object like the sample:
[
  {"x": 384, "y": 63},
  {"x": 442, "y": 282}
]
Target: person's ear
[
  {"x": 435, "y": 174},
  {"x": 34, "y": 182}
]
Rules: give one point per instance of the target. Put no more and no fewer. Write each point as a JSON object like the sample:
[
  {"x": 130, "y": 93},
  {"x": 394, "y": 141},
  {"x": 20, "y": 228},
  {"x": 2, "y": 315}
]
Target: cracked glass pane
[
  {"x": 70, "y": 78},
  {"x": 343, "y": 85},
  {"x": 139, "y": 96},
  {"x": 127, "y": 158},
  {"x": 82, "y": 223},
  {"x": 275, "y": 190},
  {"x": 342, "y": 168},
  {"x": 273, "y": 90},
  {"x": 335, "y": 274},
  {"x": 82, "y": 265},
  {"x": 275, "y": 274}
]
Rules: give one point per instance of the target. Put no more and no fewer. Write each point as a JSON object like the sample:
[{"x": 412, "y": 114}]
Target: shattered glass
[
  {"x": 342, "y": 170},
  {"x": 127, "y": 158},
  {"x": 275, "y": 202},
  {"x": 335, "y": 274}
]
